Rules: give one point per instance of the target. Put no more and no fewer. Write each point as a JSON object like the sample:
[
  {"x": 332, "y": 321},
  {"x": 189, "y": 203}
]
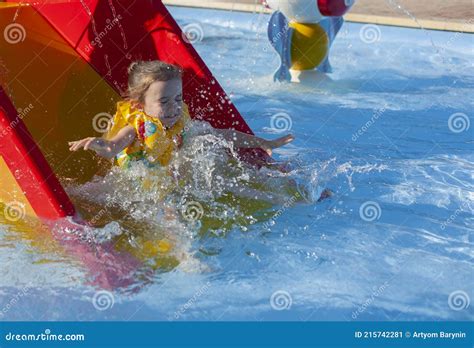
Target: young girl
[{"x": 149, "y": 126}]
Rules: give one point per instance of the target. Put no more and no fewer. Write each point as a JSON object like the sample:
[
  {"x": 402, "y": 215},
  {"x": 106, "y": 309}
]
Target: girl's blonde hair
[{"x": 141, "y": 74}]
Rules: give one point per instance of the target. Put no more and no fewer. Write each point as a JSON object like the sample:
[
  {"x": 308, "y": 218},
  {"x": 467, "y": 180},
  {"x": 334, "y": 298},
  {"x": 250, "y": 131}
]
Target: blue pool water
[{"x": 389, "y": 133}]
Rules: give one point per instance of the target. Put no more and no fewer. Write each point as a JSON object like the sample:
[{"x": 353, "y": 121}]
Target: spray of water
[{"x": 398, "y": 7}]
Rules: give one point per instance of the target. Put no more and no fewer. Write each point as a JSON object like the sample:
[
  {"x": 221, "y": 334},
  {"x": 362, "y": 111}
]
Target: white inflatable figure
[{"x": 302, "y": 31}]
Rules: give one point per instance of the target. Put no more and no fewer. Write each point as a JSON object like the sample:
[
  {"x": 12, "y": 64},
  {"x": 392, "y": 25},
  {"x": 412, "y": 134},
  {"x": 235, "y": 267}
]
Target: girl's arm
[
  {"x": 106, "y": 148},
  {"x": 245, "y": 140}
]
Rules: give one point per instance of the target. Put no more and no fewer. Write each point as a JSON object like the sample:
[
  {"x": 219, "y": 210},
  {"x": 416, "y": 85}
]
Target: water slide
[{"x": 63, "y": 67}]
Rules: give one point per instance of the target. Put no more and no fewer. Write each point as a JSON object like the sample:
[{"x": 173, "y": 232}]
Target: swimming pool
[{"x": 388, "y": 133}]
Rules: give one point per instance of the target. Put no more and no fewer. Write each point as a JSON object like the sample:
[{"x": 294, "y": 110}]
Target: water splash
[
  {"x": 397, "y": 6},
  {"x": 205, "y": 191}
]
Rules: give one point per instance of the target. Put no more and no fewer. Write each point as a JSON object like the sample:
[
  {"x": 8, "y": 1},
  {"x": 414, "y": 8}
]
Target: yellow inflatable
[{"x": 309, "y": 46}]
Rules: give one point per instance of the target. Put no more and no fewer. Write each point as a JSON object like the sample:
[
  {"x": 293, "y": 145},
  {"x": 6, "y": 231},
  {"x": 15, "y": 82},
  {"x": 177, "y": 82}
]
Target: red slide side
[{"x": 31, "y": 170}]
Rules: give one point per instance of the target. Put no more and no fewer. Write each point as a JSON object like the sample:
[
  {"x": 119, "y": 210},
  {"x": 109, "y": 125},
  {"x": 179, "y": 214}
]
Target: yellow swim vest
[{"x": 154, "y": 144}]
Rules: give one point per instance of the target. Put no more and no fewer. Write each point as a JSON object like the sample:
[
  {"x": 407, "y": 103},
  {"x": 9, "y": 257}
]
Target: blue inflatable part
[
  {"x": 331, "y": 26},
  {"x": 279, "y": 34}
]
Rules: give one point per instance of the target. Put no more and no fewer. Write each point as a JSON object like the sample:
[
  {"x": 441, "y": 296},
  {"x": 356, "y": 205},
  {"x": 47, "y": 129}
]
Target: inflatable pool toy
[
  {"x": 302, "y": 32},
  {"x": 63, "y": 67}
]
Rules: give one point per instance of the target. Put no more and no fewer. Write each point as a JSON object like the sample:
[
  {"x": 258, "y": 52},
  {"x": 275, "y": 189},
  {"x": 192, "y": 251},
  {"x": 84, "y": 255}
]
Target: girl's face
[{"x": 164, "y": 100}]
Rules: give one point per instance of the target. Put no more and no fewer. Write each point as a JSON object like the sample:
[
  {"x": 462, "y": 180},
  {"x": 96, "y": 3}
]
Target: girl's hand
[
  {"x": 106, "y": 148},
  {"x": 99, "y": 145},
  {"x": 269, "y": 145}
]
